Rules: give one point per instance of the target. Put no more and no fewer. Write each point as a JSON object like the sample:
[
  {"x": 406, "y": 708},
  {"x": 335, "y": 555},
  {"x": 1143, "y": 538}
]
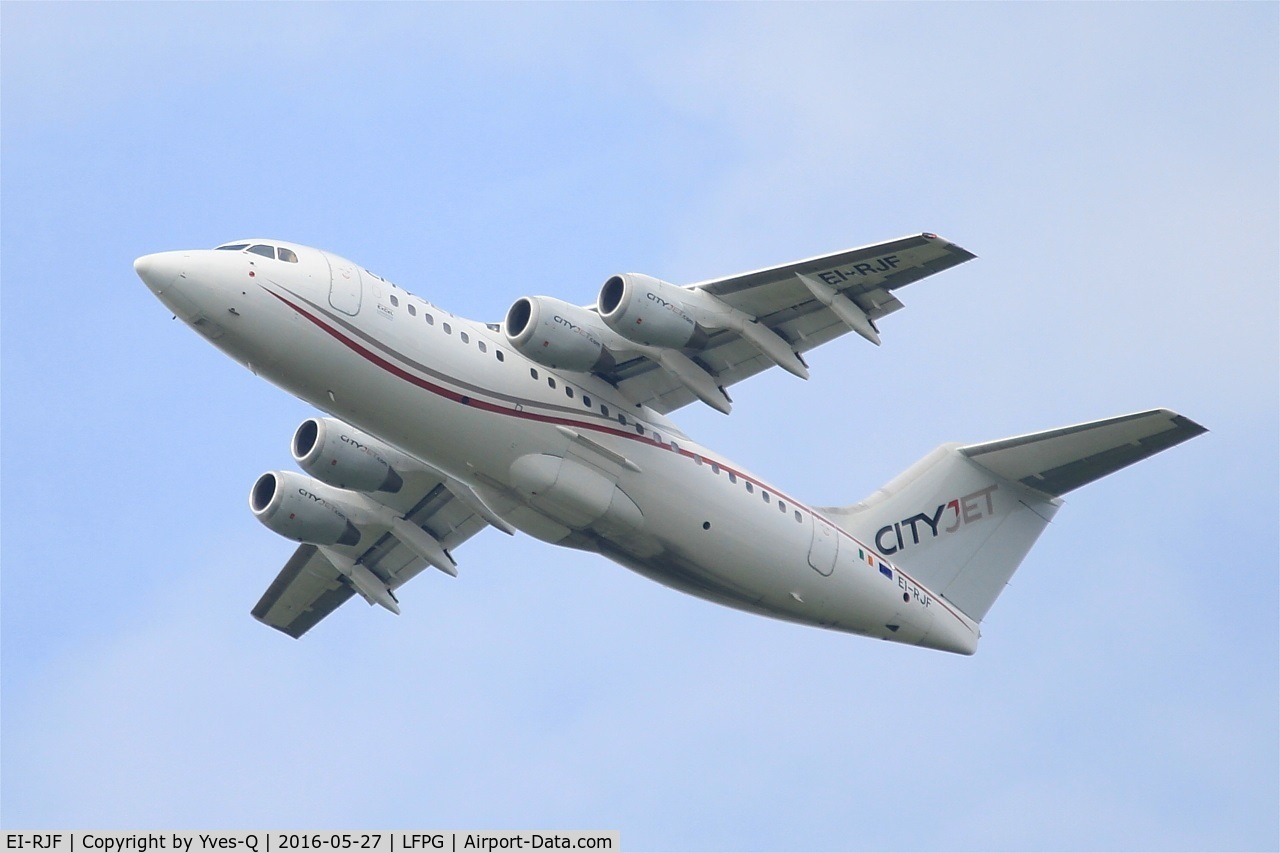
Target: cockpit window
[{"x": 287, "y": 255}]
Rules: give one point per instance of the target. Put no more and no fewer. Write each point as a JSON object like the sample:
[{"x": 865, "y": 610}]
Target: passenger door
[
  {"x": 344, "y": 285},
  {"x": 825, "y": 547}
]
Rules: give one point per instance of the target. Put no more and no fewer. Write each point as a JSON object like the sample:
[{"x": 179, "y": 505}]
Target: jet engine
[
  {"x": 648, "y": 311},
  {"x": 301, "y": 509},
  {"x": 557, "y": 334},
  {"x": 342, "y": 456}
]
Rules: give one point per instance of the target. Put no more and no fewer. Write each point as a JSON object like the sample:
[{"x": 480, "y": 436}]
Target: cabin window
[
  {"x": 568, "y": 392},
  {"x": 288, "y": 255},
  {"x": 765, "y": 495},
  {"x": 265, "y": 251},
  {"x": 733, "y": 478},
  {"x": 675, "y": 448},
  {"x": 697, "y": 460},
  {"x": 483, "y": 348},
  {"x": 639, "y": 429},
  {"x": 782, "y": 507},
  {"x": 551, "y": 381},
  {"x": 447, "y": 329},
  {"x": 499, "y": 354},
  {"x": 798, "y": 518},
  {"x": 533, "y": 371},
  {"x": 395, "y": 301},
  {"x": 604, "y": 410},
  {"x": 463, "y": 335},
  {"x": 622, "y": 419},
  {"x": 431, "y": 321},
  {"x": 413, "y": 312},
  {"x": 715, "y": 468},
  {"x": 750, "y": 488},
  {"x": 586, "y": 401}
]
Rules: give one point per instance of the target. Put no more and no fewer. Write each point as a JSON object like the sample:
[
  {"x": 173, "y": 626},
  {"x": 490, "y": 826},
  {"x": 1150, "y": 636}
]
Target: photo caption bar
[{"x": 453, "y": 841}]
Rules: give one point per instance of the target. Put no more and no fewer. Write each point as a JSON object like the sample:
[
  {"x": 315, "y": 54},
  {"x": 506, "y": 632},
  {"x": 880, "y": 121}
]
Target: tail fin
[{"x": 962, "y": 519}]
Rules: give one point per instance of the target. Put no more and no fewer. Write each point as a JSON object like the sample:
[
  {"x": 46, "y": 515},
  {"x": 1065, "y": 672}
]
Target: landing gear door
[
  {"x": 344, "y": 285},
  {"x": 825, "y": 547}
]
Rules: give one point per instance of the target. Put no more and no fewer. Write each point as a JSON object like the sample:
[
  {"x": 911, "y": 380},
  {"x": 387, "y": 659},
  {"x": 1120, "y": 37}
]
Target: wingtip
[
  {"x": 955, "y": 249},
  {"x": 1188, "y": 426}
]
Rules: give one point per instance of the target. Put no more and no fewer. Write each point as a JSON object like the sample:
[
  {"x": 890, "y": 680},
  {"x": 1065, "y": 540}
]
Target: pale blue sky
[{"x": 1114, "y": 166}]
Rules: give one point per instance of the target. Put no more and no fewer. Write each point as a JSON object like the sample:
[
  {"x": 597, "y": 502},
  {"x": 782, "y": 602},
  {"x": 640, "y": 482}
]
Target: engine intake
[
  {"x": 291, "y": 505},
  {"x": 558, "y": 335},
  {"x": 649, "y": 311},
  {"x": 342, "y": 456}
]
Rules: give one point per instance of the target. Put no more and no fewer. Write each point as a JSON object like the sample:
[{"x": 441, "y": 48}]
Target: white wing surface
[{"x": 794, "y": 300}]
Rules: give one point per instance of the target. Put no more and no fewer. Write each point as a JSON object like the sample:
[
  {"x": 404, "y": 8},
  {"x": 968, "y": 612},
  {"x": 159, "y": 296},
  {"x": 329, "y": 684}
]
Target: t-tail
[{"x": 962, "y": 519}]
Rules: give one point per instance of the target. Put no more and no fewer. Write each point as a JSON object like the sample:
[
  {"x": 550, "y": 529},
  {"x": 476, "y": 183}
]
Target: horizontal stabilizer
[
  {"x": 1060, "y": 460},
  {"x": 961, "y": 520}
]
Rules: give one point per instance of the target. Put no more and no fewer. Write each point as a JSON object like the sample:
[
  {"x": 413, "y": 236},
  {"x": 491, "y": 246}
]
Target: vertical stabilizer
[{"x": 962, "y": 519}]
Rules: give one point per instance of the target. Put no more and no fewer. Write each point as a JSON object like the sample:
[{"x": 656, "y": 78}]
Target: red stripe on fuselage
[{"x": 467, "y": 400}]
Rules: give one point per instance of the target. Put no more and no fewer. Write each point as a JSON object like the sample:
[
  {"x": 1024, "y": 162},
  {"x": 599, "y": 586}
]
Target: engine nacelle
[
  {"x": 649, "y": 311},
  {"x": 301, "y": 509},
  {"x": 557, "y": 334},
  {"x": 342, "y": 456}
]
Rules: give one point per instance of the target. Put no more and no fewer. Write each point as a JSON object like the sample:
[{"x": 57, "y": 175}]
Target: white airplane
[{"x": 554, "y": 423}]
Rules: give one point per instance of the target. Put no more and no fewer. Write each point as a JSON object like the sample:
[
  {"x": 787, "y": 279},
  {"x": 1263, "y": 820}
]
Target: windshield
[{"x": 273, "y": 252}]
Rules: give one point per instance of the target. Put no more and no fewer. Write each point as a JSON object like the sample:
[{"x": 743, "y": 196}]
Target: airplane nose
[{"x": 159, "y": 270}]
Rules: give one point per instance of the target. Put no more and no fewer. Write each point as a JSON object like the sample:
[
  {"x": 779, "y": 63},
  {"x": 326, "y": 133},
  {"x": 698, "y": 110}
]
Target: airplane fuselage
[{"x": 562, "y": 456}]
